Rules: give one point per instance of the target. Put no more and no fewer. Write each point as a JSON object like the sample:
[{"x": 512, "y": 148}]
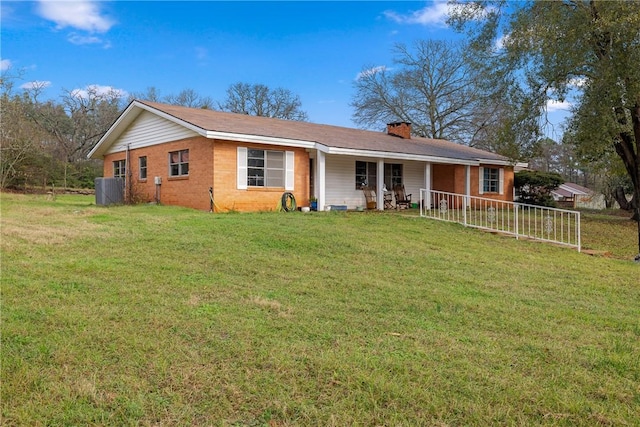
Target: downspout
[
  {"x": 128, "y": 175},
  {"x": 212, "y": 204}
]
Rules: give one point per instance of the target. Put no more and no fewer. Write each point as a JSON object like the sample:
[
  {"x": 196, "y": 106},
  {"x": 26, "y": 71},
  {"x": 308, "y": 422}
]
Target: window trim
[
  {"x": 142, "y": 176},
  {"x": 288, "y": 175},
  {"x": 484, "y": 184},
  {"x": 180, "y": 164},
  {"x": 120, "y": 168},
  {"x": 391, "y": 180},
  {"x": 371, "y": 174}
]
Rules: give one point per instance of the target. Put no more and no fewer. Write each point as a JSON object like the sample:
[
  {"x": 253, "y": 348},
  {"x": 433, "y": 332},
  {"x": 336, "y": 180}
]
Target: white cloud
[
  {"x": 36, "y": 84},
  {"x": 553, "y": 105},
  {"x": 79, "y": 39},
  {"x": 5, "y": 64},
  {"x": 433, "y": 15},
  {"x": 81, "y": 14},
  {"x": 99, "y": 90},
  {"x": 371, "y": 71}
]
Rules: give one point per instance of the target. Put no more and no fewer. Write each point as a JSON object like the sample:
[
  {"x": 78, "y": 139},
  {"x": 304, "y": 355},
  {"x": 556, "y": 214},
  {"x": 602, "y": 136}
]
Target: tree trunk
[{"x": 621, "y": 198}]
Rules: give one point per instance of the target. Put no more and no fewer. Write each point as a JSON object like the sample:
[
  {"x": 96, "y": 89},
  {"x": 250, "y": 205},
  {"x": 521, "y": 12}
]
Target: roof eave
[
  {"x": 123, "y": 120},
  {"x": 127, "y": 117},
  {"x": 406, "y": 156},
  {"x": 268, "y": 140}
]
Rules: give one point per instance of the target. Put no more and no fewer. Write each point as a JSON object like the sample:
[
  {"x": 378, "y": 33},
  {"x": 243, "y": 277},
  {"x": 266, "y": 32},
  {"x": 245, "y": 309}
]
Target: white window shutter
[
  {"x": 242, "y": 168},
  {"x": 481, "y": 180},
  {"x": 501, "y": 182},
  {"x": 289, "y": 177}
]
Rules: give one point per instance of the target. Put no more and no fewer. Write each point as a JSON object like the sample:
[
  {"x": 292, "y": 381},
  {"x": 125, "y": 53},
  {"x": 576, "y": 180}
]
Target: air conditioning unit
[{"x": 109, "y": 191}]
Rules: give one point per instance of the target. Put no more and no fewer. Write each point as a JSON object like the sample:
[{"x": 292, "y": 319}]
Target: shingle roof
[
  {"x": 327, "y": 135},
  {"x": 575, "y": 188}
]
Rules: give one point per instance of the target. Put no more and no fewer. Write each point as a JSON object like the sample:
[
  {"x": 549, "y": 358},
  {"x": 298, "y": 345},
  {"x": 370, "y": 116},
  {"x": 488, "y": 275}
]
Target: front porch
[{"x": 341, "y": 179}]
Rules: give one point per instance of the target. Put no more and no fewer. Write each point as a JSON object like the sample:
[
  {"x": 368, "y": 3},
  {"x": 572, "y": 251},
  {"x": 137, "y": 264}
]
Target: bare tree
[
  {"x": 185, "y": 98},
  {"x": 190, "y": 98},
  {"x": 151, "y": 94},
  {"x": 78, "y": 122},
  {"x": 259, "y": 100},
  {"x": 431, "y": 86},
  {"x": 20, "y": 139}
]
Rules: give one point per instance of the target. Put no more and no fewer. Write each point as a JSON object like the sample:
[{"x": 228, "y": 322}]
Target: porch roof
[{"x": 328, "y": 138}]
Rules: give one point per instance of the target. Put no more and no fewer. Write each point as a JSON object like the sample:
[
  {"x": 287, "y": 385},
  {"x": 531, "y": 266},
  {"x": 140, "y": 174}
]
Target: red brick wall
[
  {"x": 443, "y": 177},
  {"x": 212, "y": 163},
  {"x": 228, "y": 197},
  {"x": 452, "y": 179},
  {"x": 190, "y": 191}
]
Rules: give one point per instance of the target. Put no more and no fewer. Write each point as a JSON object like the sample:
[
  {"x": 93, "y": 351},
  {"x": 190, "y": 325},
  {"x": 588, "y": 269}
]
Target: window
[
  {"x": 366, "y": 174},
  {"x": 265, "y": 168},
  {"x": 491, "y": 180},
  {"x": 119, "y": 168},
  {"x": 392, "y": 175},
  {"x": 179, "y": 163},
  {"x": 142, "y": 167}
]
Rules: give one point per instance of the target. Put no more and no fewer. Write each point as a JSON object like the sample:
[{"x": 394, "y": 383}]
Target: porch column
[
  {"x": 467, "y": 184},
  {"x": 380, "y": 185},
  {"x": 427, "y": 185},
  {"x": 320, "y": 179}
]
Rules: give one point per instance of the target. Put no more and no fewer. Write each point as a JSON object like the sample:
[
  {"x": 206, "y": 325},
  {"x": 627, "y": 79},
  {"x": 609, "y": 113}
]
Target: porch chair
[
  {"x": 388, "y": 200},
  {"x": 403, "y": 200},
  {"x": 370, "y": 196}
]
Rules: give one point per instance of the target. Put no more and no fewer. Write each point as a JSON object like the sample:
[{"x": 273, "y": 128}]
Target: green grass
[{"x": 153, "y": 315}]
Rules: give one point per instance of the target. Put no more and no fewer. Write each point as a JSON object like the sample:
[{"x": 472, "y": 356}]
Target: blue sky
[{"x": 314, "y": 49}]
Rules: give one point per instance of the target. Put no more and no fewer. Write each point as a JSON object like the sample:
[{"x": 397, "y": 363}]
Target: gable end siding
[{"x": 149, "y": 129}]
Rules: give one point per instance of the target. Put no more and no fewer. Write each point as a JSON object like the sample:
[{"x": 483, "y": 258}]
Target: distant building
[{"x": 574, "y": 196}]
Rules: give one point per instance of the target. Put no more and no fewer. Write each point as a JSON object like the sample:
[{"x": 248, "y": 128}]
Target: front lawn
[{"x": 155, "y": 315}]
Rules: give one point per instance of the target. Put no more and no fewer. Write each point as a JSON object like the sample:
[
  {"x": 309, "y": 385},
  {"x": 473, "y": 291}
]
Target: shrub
[{"x": 534, "y": 187}]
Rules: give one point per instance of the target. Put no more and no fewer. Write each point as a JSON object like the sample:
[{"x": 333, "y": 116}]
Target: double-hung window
[
  {"x": 179, "y": 163},
  {"x": 392, "y": 175},
  {"x": 119, "y": 168},
  {"x": 366, "y": 174},
  {"x": 265, "y": 168},
  {"x": 491, "y": 180},
  {"x": 142, "y": 167}
]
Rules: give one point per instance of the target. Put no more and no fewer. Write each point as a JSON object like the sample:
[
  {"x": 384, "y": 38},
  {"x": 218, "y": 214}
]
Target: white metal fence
[{"x": 534, "y": 222}]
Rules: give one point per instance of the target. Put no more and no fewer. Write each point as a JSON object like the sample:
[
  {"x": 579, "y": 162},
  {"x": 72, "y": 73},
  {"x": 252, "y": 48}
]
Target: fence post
[
  {"x": 578, "y": 226},
  {"x": 515, "y": 216},
  {"x": 464, "y": 210}
]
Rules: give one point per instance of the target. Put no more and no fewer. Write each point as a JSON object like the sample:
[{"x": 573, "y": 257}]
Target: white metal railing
[{"x": 520, "y": 220}]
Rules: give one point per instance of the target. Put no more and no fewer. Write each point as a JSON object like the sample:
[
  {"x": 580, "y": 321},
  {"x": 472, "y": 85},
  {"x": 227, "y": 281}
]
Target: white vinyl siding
[
  {"x": 340, "y": 173},
  {"x": 339, "y": 176},
  {"x": 149, "y": 129},
  {"x": 413, "y": 179}
]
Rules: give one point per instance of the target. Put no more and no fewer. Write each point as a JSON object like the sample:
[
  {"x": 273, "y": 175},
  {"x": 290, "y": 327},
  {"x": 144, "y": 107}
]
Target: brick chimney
[{"x": 401, "y": 129}]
